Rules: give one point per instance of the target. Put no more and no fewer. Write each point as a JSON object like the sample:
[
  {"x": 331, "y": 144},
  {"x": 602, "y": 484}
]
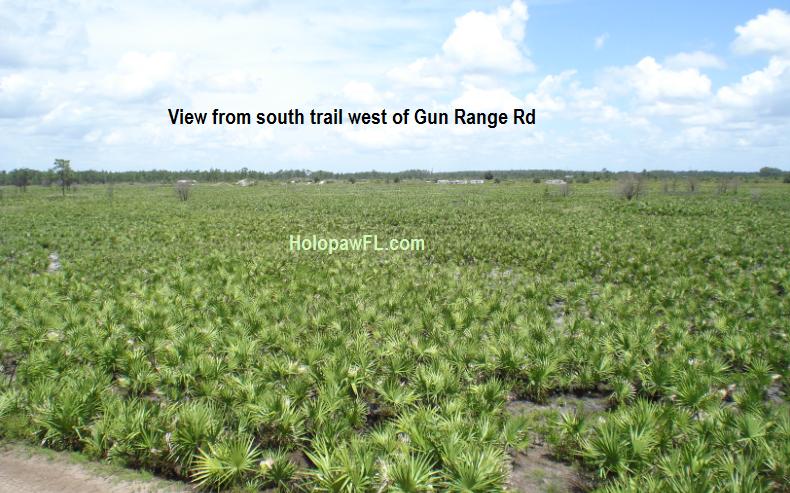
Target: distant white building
[
  {"x": 186, "y": 182},
  {"x": 455, "y": 182},
  {"x": 246, "y": 182},
  {"x": 554, "y": 182},
  {"x": 476, "y": 182}
]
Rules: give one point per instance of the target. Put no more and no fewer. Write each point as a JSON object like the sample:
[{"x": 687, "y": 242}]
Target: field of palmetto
[{"x": 185, "y": 338}]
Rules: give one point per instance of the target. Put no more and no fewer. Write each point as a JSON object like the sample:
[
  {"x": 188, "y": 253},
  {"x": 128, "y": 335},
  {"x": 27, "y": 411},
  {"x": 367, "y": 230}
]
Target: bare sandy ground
[{"x": 23, "y": 470}]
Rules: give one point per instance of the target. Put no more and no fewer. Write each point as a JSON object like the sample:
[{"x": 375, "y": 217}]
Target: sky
[{"x": 674, "y": 85}]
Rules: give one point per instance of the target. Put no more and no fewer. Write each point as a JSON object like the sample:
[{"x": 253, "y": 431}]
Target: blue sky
[{"x": 621, "y": 85}]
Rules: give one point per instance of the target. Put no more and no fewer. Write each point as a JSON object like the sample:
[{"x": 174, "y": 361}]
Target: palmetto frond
[{"x": 226, "y": 463}]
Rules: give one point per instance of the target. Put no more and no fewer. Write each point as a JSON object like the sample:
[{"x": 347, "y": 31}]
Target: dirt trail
[
  {"x": 537, "y": 472},
  {"x": 22, "y": 471}
]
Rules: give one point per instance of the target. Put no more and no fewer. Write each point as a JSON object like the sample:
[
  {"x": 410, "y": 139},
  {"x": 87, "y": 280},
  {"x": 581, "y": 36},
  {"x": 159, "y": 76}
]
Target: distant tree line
[{"x": 23, "y": 177}]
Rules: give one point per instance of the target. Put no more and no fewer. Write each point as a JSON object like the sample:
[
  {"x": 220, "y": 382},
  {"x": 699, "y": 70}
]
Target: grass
[{"x": 184, "y": 338}]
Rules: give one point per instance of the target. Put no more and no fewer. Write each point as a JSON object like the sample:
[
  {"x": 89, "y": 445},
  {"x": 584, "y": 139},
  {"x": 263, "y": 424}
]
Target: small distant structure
[
  {"x": 186, "y": 182},
  {"x": 245, "y": 182},
  {"x": 454, "y": 182},
  {"x": 476, "y": 182},
  {"x": 555, "y": 181}
]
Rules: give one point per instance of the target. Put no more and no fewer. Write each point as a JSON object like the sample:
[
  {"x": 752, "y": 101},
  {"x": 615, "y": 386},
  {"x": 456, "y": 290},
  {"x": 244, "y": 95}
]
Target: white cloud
[
  {"x": 483, "y": 41},
  {"x": 20, "y": 96},
  {"x": 549, "y": 97},
  {"x": 769, "y": 32},
  {"x": 233, "y": 81},
  {"x": 767, "y": 88},
  {"x": 422, "y": 73},
  {"x": 364, "y": 93},
  {"x": 680, "y": 99},
  {"x": 248, "y": 137},
  {"x": 139, "y": 76},
  {"x": 601, "y": 40},
  {"x": 488, "y": 100},
  {"x": 694, "y": 59},
  {"x": 374, "y": 137},
  {"x": 69, "y": 119},
  {"x": 388, "y": 136},
  {"x": 34, "y": 35},
  {"x": 562, "y": 96},
  {"x": 693, "y": 137},
  {"x": 760, "y": 99},
  {"x": 478, "y": 99},
  {"x": 653, "y": 82},
  {"x": 479, "y": 43},
  {"x": 80, "y": 76}
]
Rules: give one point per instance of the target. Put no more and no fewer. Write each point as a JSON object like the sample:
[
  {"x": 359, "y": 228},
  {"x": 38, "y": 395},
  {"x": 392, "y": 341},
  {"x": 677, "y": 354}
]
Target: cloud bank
[{"x": 92, "y": 83}]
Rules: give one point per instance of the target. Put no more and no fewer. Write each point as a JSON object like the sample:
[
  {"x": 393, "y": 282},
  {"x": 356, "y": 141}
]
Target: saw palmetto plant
[
  {"x": 227, "y": 463},
  {"x": 645, "y": 342}
]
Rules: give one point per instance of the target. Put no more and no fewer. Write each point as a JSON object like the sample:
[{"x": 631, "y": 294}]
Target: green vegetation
[
  {"x": 62, "y": 170},
  {"x": 184, "y": 338}
]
